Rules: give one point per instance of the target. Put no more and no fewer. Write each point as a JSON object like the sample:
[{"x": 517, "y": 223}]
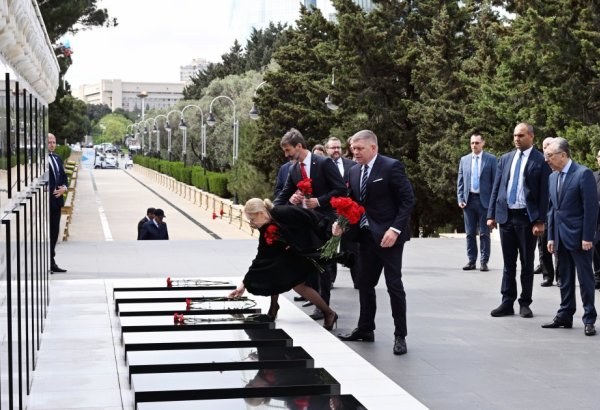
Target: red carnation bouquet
[
  {"x": 349, "y": 213},
  {"x": 305, "y": 186}
]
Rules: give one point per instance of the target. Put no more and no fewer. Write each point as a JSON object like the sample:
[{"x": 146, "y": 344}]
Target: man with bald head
[
  {"x": 519, "y": 203},
  {"x": 381, "y": 186},
  {"x": 57, "y": 186}
]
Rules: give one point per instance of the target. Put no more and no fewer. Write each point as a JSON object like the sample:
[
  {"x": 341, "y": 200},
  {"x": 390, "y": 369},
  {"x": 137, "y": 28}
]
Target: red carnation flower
[
  {"x": 305, "y": 186},
  {"x": 169, "y": 282},
  {"x": 349, "y": 213},
  {"x": 271, "y": 234},
  {"x": 214, "y": 215}
]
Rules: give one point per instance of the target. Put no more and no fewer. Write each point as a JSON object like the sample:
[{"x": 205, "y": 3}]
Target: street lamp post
[
  {"x": 254, "y": 114},
  {"x": 211, "y": 120},
  {"x": 328, "y": 100},
  {"x": 141, "y": 95},
  {"x": 157, "y": 131},
  {"x": 183, "y": 128},
  {"x": 149, "y": 131},
  {"x": 169, "y": 130}
]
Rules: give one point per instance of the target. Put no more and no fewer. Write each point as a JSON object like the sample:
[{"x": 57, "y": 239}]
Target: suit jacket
[
  {"x": 55, "y": 181},
  {"x": 389, "y": 198},
  {"x": 573, "y": 214},
  {"x": 282, "y": 175},
  {"x": 140, "y": 225},
  {"x": 326, "y": 183},
  {"x": 535, "y": 185},
  {"x": 487, "y": 175},
  {"x": 152, "y": 232}
]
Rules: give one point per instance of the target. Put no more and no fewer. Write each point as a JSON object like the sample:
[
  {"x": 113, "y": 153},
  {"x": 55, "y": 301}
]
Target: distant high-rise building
[
  {"x": 189, "y": 70},
  {"x": 310, "y": 4},
  {"x": 367, "y": 5}
]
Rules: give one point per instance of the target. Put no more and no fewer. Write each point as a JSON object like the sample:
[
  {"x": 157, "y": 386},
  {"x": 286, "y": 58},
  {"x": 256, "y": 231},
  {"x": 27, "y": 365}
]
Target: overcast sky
[{"x": 155, "y": 37}]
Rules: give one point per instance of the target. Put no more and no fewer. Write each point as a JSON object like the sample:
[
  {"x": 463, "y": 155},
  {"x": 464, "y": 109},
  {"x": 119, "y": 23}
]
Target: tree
[
  {"x": 112, "y": 127},
  {"x": 69, "y": 119}
]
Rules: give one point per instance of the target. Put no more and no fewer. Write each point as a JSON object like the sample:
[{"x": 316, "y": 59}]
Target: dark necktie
[
  {"x": 303, "y": 170},
  {"x": 512, "y": 197},
  {"x": 363, "y": 194},
  {"x": 560, "y": 182},
  {"x": 54, "y": 165}
]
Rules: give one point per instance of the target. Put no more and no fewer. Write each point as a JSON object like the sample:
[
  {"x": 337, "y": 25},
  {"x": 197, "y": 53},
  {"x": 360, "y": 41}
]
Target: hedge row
[{"x": 197, "y": 176}]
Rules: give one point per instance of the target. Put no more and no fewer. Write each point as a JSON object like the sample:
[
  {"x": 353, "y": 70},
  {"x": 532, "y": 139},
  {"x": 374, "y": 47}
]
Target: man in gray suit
[
  {"x": 476, "y": 174},
  {"x": 572, "y": 222}
]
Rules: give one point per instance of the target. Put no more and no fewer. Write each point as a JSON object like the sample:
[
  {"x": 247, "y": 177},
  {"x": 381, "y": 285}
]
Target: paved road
[{"x": 110, "y": 202}]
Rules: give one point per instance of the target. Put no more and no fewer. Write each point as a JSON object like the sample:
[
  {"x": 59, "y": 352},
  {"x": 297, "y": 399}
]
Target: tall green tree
[{"x": 295, "y": 91}]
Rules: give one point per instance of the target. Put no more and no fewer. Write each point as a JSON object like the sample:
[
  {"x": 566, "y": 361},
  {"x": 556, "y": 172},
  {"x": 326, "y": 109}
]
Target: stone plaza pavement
[{"x": 458, "y": 356}]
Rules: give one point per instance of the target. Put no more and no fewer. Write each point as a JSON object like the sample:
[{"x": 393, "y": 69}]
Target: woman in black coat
[{"x": 287, "y": 254}]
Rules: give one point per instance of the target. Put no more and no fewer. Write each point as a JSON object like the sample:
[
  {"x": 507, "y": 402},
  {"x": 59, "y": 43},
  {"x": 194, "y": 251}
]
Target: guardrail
[{"x": 219, "y": 207}]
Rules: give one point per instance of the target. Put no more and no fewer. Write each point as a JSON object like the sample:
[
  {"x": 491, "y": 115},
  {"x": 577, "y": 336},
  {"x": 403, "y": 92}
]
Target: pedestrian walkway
[{"x": 458, "y": 356}]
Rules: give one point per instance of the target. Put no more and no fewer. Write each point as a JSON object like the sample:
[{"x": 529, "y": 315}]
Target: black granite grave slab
[
  {"x": 176, "y": 284},
  {"x": 198, "y": 339},
  {"x": 196, "y": 360},
  {"x": 204, "y": 298},
  {"x": 186, "y": 321},
  {"x": 318, "y": 402},
  {"x": 170, "y": 308},
  {"x": 232, "y": 384}
]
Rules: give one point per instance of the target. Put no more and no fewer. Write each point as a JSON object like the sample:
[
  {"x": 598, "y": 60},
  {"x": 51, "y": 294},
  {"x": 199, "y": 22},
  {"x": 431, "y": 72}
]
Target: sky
[{"x": 155, "y": 37}]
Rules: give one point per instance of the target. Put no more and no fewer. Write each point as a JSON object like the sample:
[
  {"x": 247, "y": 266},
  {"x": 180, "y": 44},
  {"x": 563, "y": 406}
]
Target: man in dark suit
[
  {"x": 155, "y": 229},
  {"x": 572, "y": 222},
  {"x": 597, "y": 247},
  {"x": 149, "y": 216},
  {"x": 476, "y": 174},
  {"x": 57, "y": 186},
  {"x": 334, "y": 151},
  {"x": 519, "y": 203},
  {"x": 326, "y": 183},
  {"x": 380, "y": 185}
]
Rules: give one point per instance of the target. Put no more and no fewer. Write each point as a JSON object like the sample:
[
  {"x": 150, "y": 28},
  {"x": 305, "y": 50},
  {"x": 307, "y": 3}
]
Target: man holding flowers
[
  {"x": 312, "y": 181},
  {"x": 381, "y": 186}
]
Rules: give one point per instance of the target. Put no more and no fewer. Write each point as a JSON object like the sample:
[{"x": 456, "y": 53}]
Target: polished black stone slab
[
  {"x": 317, "y": 402},
  {"x": 204, "y": 298},
  {"x": 232, "y": 384},
  {"x": 169, "y": 308},
  {"x": 198, "y": 339},
  {"x": 196, "y": 360},
  {"x": 186, "y": 321},
  {"x": 176, "y": 284}
]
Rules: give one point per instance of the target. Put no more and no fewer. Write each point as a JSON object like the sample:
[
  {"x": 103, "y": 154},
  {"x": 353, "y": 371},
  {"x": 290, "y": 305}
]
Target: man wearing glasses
[
  {"x": 476, "y": 174},
  {"x": 519, "y": 203}
]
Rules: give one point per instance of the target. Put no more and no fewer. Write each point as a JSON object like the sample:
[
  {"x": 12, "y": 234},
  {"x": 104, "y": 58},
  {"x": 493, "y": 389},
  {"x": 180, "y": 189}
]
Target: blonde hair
[{"x": 257, "y": 205}]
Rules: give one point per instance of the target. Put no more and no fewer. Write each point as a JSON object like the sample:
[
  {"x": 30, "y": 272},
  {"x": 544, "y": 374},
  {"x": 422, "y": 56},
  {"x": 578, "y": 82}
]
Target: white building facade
[{"x": 124, "y": 94}]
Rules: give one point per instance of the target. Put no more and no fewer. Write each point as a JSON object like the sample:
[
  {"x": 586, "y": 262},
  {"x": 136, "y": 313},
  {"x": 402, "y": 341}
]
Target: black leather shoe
[
  {"x": 503, "y": 310},
  {"x": 590, "y": 330},
  {"x": 56, "y": 269},
  {"x": 558, "y": 282},
  {"x": 357, "y": 334},
  {"x": 316, "y": 314},
  {"x": 484, "y": 267},
  {"x": 525, "y": 312},
  {"x": 400, "y": 345},
  {"x": 558, "y": 322},
  {"x": 299, "y": 299},
  {"x": 546, "y": 283},
  {"x": 469, "y": 266},
  {"x": 538, "y": 270}
]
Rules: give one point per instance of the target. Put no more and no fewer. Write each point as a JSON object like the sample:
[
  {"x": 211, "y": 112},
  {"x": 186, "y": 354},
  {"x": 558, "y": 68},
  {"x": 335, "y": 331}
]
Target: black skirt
[{"x": 277, "y": 268}]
